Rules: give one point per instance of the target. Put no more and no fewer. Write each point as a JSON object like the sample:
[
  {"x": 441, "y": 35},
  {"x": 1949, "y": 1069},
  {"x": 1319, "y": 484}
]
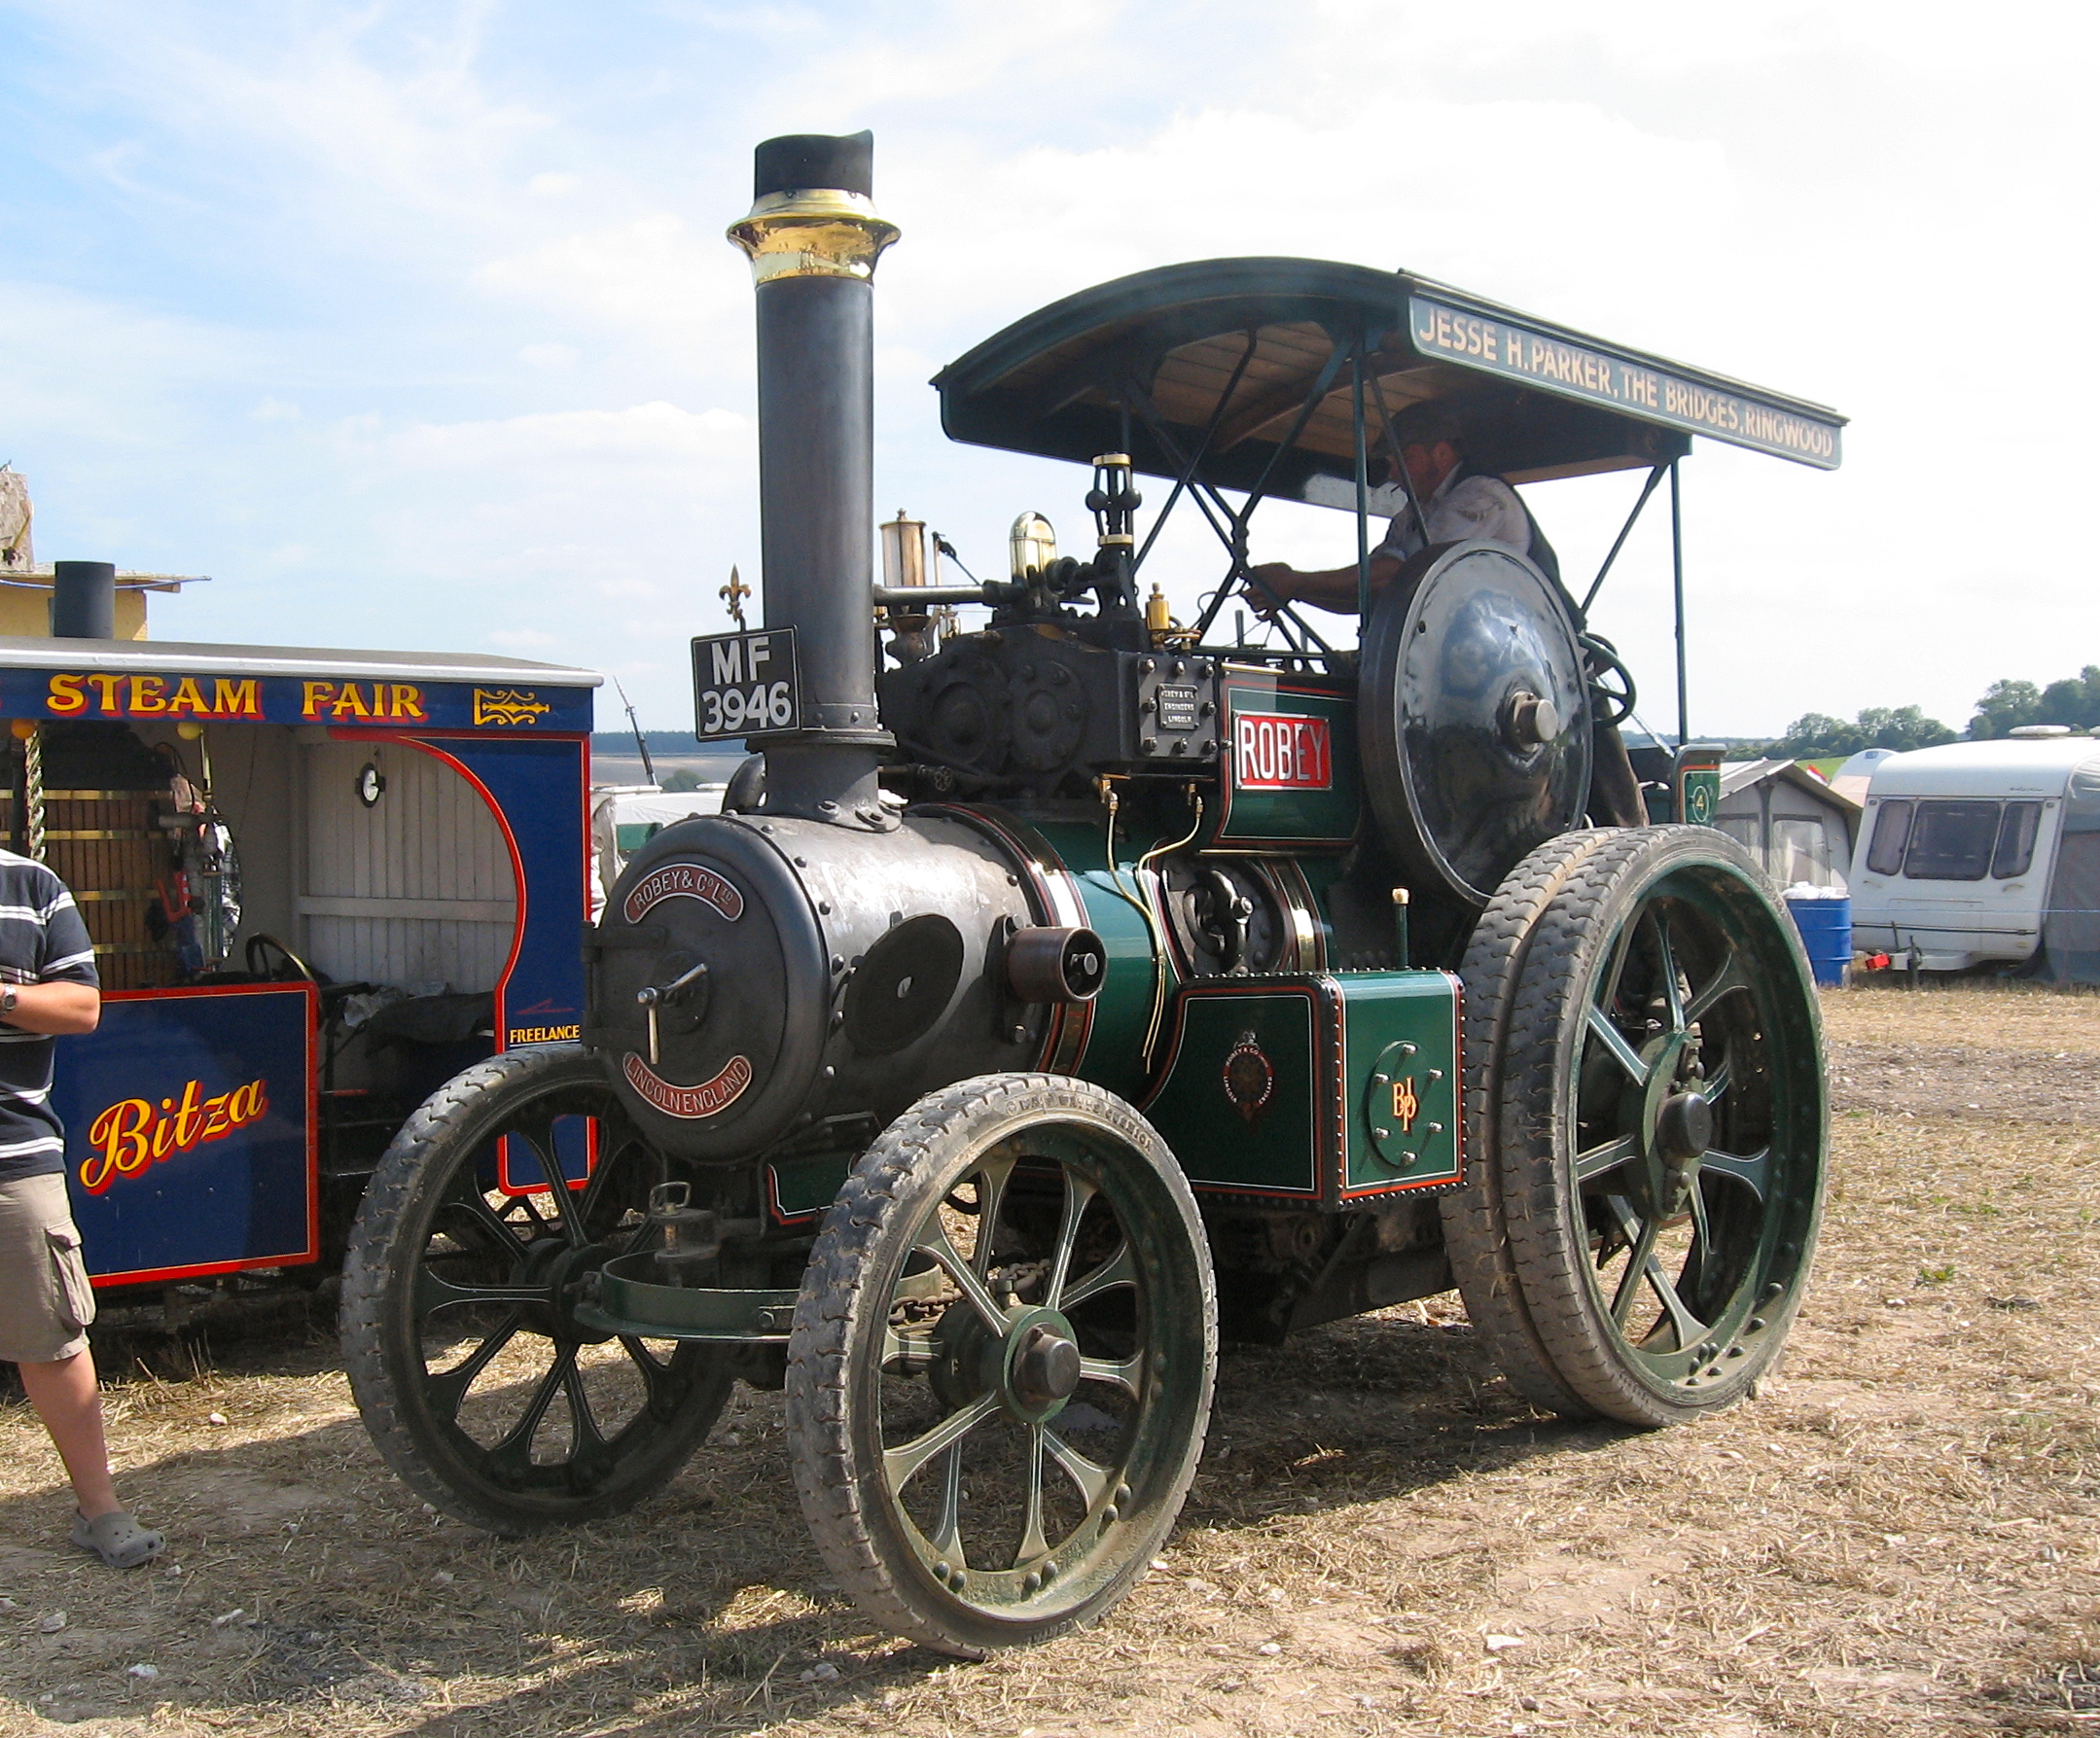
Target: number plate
[{"x": 745, "y": 685}]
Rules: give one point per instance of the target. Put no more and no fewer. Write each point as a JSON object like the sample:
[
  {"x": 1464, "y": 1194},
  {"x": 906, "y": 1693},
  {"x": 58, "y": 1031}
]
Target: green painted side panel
[
  {"x": 1271, "y": 1147},
  {"x": 1400, "y": 1069},
  {"x": 1291, "y": 776},
  {"x": 802, "y": 1187},
  {"x": 1114, "y": 1056}
]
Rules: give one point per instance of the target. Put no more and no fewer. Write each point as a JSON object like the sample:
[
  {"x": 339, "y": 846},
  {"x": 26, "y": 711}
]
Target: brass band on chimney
[{"x": 819, "y": 232}]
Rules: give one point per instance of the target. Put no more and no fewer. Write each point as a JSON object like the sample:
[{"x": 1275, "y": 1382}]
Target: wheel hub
[
  {"x": 1683, "y": 1130},
  {"x": 1033, "y": 1364},
  {"x": 561, "y": 1269},
  {"x": 1045, "y": 1367}
]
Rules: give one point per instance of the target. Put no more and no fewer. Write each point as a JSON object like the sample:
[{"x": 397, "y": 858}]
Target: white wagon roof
[{"x": 2009, "y": 766}]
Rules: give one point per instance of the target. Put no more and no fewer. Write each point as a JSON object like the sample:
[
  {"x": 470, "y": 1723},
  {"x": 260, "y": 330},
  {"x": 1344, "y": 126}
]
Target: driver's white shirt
[{"x": 1462, "y": 507}]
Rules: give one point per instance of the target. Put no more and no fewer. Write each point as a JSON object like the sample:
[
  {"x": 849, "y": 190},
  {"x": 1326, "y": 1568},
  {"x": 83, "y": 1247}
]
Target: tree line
[{"x": 2074, "y": 702}]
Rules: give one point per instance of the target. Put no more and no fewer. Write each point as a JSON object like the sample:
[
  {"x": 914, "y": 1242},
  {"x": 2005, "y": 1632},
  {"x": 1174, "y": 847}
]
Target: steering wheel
[
  {"x": 259, "y": 949},
  {"x": 1611, "y": 693}
]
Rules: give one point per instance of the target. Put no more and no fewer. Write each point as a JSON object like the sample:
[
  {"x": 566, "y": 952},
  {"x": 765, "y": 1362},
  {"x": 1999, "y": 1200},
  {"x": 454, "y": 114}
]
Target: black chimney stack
[
  {"x": 813, "y": 238},
  {"x": 84, "y": 600}
]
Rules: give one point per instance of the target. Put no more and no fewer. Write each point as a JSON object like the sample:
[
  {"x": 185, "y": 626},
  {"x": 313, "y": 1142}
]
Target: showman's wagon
[{"x": 319, "y": 883}]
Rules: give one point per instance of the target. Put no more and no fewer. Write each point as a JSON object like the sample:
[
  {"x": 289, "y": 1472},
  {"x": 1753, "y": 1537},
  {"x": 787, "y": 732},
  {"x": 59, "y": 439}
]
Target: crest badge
[{"x": 1250, "y": 1079}]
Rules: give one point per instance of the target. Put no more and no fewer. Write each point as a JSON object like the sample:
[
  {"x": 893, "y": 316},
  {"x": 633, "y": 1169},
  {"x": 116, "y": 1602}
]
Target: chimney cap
[{"x": 796, "y": 160}]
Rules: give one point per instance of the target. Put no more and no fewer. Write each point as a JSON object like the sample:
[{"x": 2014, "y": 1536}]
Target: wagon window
[
  {"x": 2016, "y": 840},
  {"x": 1892, "y": 832},
  {"x": 1951, "y": 841}
]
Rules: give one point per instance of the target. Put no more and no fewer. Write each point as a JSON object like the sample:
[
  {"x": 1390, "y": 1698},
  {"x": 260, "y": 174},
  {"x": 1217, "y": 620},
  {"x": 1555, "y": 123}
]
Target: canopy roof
[{"x": 1253, "y": 351}]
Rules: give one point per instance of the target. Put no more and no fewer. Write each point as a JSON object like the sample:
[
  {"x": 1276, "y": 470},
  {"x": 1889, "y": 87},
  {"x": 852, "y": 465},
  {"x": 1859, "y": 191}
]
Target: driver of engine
[{"x": 1459, "y": 503}]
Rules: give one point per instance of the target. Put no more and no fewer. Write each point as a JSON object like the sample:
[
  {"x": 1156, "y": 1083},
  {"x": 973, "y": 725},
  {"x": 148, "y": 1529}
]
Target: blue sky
[{"x": 412, "y": 324}]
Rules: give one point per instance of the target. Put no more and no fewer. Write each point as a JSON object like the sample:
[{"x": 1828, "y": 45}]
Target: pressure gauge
[{"x": 370, "y": 781}]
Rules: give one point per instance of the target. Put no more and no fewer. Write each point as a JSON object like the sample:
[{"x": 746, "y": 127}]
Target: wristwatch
[{"x": 9, "y": 1001}]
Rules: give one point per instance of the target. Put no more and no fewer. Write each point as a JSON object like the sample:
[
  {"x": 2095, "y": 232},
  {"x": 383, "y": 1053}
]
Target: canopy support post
[
  {"x": 1625, "y": 531},
  {"x": 1676, "y": 586},
  {"x": 1362, "y": 490}
]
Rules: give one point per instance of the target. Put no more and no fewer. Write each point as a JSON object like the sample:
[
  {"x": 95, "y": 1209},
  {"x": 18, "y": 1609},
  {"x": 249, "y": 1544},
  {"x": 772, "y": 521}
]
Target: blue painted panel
[{"x": 189, "y": 1117}]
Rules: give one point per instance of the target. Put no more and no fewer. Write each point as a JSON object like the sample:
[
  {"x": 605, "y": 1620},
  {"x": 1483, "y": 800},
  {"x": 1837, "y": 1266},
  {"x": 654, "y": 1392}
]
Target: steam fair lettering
[
  {"x": 98, "y": 694},
  {"x": 1275, "y": 752},
  {"x": 684, "y": 882},
  {"x": 1532, "y": 356},
  {"x": 129, "y": 1135}
]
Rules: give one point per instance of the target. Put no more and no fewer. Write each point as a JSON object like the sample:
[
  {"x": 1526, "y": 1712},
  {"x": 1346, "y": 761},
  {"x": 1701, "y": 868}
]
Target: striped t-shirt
[{"x": 41, "y": 940}]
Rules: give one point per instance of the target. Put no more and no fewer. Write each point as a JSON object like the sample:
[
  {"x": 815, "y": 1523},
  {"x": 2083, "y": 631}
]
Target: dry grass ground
[{"x": 1897, "y": 1537}]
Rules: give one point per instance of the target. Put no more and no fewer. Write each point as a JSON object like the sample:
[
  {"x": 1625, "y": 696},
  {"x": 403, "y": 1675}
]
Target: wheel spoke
[
  {"x": 433, "y": 1294},
  {"x": 1607, "y": 1156},
  {"x": 933, "y": 1242},
  {"x": 1714, "y": 1084},
  {"x": 947, "y": 1538},
  {"x": 1033, "y": 1544},
  {"x": 1701, "y": 1230},
  {"x": 1077, "y": 1192},
  {"x": 1643, "y": 1246},
  {"x": 993, "y": 1179},
  {"x": 1614, "y": 1041},
  {"x": 1729, "y": 977},
  {"x": 488, "y": 1221},
  {"x": 447, "y": 1390},
  {"x": 1124, "y": 1374},
  {"x": 1673, "y": 994},
  {"x": 514, "y": 1450},
  {"x": 1753, "y": 1170},
  {"x": 1690, "y": 1329},
  {"x": 1607, "y": 990},
  {"x": 900, "y": 1463},
  {"x": 593, "y": 1194},
  {"x": 1119, "y": 1269},
  {"x": 664, "y": 1387},
  {"x": 1094, "y": 1480},
  {"x": 588, "y": 1450},
  {"x": 540, "y": 1139},
  {"x": 908, "y": 1353}
]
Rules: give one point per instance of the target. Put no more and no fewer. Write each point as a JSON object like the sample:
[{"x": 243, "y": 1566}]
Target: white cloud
[
  {"x": 655, "y": 434},
  {"x": 550, "y": 357},
  {"x": 552, "y": 185}
]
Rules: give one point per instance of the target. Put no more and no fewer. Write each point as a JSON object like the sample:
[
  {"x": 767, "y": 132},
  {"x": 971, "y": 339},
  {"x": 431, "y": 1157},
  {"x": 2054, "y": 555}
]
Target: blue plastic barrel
[{"x": 1825, "y": 926}]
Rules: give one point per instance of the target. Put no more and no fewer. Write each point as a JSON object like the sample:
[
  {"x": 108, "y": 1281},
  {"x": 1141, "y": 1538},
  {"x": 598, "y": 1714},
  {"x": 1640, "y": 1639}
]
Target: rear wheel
[
  {"x": 1001, "y": 1366},
  {"x": 1650, "y": 1127},
  {"x": 477, "y": 1384}
]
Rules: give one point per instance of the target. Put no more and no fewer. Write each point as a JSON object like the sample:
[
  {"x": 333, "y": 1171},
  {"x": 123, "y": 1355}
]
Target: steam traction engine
[{"x": 1079, "y": 988}]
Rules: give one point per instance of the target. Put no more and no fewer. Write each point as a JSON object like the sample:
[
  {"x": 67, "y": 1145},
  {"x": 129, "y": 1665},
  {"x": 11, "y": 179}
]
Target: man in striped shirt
[{"x": 48, "y": 987}]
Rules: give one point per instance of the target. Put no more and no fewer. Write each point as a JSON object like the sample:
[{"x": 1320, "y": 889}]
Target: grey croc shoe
[{"x": 117, "y": 1539}]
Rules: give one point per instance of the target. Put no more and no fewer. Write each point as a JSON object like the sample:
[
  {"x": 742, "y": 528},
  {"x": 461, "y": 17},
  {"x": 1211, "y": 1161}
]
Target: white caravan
[{"x": 1984, "y": 853}]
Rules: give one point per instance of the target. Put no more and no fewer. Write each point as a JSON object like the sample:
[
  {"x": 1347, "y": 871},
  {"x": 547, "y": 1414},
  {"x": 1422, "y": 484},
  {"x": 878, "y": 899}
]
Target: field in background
[{"x": 1897, "y": 1537}]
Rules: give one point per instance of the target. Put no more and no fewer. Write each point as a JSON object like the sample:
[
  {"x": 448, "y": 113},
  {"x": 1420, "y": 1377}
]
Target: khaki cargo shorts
[{"x": 46, "y": 1302}]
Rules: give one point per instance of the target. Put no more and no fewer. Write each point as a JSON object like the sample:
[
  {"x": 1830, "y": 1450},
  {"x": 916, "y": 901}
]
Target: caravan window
[
  {"x": 1892, "y": 832},
  {"x": 2016, "y": 840},
  {"x": 1951, "y": 841}
]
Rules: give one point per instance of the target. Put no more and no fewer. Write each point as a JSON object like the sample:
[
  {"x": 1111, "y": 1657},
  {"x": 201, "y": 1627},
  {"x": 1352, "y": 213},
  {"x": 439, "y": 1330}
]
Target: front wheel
[
  {"x": 1001, "y": 1366},
  {"x": 479, "y": 1387},
  {"x": 1651, "y": 1126}
]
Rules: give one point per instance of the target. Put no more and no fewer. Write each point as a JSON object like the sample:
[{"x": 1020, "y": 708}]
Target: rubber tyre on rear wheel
[{"x": 1649, "y": 1124}]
